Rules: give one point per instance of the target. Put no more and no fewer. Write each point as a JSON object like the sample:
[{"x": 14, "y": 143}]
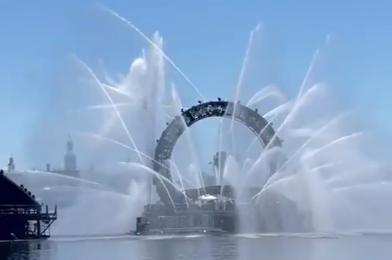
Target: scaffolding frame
[{"x": 24, "y": 222}]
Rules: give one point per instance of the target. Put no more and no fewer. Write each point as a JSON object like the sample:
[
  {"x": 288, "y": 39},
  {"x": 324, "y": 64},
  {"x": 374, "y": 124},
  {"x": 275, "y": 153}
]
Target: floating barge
[
  {"x": 22, "y": 217},
  {"x": 208, "y": 214},
  {"x": 207, "y": 217}
]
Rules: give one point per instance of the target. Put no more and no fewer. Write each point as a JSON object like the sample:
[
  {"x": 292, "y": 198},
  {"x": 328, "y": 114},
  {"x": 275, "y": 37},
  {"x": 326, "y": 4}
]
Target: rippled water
[{"x": 203, "y": 247}]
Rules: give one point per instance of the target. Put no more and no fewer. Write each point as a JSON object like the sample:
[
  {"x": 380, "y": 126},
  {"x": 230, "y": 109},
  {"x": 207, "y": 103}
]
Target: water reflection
[
  {"x": 24, "y": 251},
  {"x": 203, "y": 248}
]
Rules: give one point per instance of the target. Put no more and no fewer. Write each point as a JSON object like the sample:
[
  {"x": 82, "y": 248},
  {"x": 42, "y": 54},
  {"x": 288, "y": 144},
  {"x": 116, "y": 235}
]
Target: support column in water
[
  {"x": 218, "y": 163},
  {"x": 149, "y": 137}
]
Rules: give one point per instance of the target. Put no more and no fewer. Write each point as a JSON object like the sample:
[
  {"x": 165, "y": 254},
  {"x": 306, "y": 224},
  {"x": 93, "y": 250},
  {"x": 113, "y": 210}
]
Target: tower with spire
[
  {"x": 11, "y": 164},
  {"x": 70, "y": 166}
]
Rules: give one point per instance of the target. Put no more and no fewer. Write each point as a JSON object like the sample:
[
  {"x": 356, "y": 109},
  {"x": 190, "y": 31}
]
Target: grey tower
[
  {"x": 70, "y": 159},
  {"x": 11, "y": 164}
]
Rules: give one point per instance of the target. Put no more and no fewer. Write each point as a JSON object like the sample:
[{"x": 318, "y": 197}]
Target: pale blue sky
[{"x": 207, "y": 39}]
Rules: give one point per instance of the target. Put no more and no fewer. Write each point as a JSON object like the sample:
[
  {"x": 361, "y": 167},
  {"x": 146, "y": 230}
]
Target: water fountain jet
[
  {"x": 155, "y": 46},
  {"x": 98, "y": 82}
]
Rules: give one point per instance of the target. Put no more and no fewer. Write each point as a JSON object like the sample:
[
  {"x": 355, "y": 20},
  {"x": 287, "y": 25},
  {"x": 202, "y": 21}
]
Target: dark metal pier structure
[{"x": 21, "y": 216}]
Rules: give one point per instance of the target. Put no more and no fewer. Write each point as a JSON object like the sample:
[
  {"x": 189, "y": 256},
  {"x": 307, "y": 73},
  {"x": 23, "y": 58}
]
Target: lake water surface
[{"x": 249, "y": 247}]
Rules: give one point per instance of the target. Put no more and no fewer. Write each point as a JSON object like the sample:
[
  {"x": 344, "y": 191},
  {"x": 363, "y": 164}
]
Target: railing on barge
[{"x": 25, "y": 222}]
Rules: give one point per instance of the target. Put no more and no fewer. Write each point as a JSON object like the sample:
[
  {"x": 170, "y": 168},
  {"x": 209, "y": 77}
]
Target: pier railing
[{"x": 26, "y": 221}]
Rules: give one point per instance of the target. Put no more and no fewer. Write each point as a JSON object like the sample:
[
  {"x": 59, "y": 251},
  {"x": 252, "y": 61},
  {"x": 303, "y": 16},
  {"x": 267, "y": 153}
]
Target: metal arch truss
[{"x": 251, "y": 118}]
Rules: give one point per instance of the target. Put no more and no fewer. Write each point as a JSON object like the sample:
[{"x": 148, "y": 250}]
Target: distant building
[
  {"x": 70, "y": 158},
  {"x": 54, "y": 196},
  {"x": 11, "y": 164},
  {"x": 70, "y": 162}
]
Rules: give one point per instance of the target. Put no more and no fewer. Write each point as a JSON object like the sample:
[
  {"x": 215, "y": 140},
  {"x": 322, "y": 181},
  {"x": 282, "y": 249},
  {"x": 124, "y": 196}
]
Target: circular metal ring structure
[{"x": 163, "y": 152}]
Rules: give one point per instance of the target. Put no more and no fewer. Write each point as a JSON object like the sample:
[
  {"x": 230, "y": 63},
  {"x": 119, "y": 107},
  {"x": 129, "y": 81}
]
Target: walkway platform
[{"x": 22, "y": 217}]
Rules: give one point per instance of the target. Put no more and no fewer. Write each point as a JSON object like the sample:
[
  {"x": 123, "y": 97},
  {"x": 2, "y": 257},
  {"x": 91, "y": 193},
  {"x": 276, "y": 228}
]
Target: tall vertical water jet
[
  {"x": 153, "y": 97},
  {"x": 318, "y": 196},
  {"x": 154, "y": 45},
  {"x": 239, "y": 86}
]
